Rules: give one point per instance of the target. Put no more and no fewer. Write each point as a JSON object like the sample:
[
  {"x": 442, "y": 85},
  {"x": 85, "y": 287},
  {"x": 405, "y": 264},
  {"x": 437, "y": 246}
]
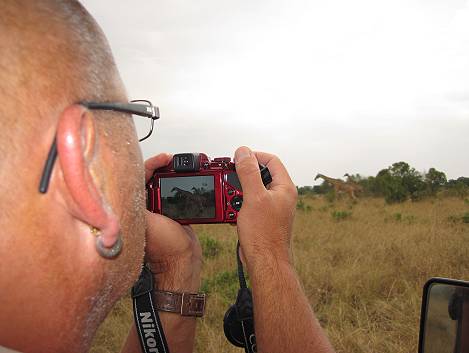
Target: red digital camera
[{"x": 194, "y": 189}]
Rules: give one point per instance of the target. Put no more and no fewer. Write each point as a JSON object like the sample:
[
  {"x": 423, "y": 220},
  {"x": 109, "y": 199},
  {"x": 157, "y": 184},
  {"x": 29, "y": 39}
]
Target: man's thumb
[{"x": 247, "y": 168}]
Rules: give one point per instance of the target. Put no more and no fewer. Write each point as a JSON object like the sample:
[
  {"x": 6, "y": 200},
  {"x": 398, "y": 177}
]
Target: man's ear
[{"x": 76, "y": 146}]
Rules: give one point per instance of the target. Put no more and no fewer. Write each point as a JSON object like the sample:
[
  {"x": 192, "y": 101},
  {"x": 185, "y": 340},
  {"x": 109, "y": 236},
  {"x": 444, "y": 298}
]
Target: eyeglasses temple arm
[
  {"x": 48, "y": 167},
  {"x": 148, "y": 111}
]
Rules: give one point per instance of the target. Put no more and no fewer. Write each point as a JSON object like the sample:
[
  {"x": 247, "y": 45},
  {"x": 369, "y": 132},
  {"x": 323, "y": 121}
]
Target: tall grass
[{"x": 362, "y": 265}]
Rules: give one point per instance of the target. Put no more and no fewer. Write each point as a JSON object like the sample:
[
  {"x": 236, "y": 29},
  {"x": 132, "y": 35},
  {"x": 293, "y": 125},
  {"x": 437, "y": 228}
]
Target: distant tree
[
  {"x": 411, "y": 179},
  {"x": 390, "y": 187},
  {"x": 354, "y": 178},
  {"x": 397, "y": 183},
  {"x": 369, "y": 186},
  {"x": 458, "y": 187},
  {"x": 305, "y": 190},
  {"x": 322, "y": 189},
  {"x": 401, "y": 169},
  {"x": 463, "y": 180},
  {"x": 435, "y": 180}
]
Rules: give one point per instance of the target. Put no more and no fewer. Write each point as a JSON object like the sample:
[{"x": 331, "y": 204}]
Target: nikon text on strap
[{"x": 147, "y": 321}]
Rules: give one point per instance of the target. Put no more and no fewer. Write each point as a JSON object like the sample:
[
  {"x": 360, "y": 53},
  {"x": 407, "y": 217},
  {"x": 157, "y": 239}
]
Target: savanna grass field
[{"x": 362, "y": 265}]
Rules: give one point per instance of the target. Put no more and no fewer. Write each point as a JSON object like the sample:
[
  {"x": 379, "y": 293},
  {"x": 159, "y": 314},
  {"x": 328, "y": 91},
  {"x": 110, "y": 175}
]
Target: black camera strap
[
  {"x": 147, "y": 321},
  {"x": 238, "y": 323},
  {"x": 245, "y": 311}
]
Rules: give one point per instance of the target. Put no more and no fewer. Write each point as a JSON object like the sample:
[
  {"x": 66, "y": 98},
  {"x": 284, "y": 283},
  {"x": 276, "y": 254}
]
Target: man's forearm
[{"x": 284, "y": 320}]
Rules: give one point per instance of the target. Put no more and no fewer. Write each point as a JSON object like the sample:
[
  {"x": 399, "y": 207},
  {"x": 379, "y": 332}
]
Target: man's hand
[
  {"x": 172, "y": 250},
  {"x": 284, "y": 321},
  {"x": 175, "y": 257},
  {"x": 266, "y": 218}
]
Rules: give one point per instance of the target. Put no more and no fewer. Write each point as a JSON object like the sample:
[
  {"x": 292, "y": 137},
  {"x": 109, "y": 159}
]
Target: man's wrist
[
  {"x": 261, "y": 257},
  {"x": 182, "y": 276},
  {"x": 266, "y": 262}
]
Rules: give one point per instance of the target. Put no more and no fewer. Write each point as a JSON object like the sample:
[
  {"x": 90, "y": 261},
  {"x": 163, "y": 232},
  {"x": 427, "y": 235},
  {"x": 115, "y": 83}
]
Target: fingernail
[{"x": 242, "y": 153}]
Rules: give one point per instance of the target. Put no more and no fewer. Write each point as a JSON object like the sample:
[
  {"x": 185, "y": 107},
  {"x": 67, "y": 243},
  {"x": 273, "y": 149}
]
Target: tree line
[{"x": 400, "y": 182}]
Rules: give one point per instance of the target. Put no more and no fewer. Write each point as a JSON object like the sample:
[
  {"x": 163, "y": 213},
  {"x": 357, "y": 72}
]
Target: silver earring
[{"x": 107, "y": 253}]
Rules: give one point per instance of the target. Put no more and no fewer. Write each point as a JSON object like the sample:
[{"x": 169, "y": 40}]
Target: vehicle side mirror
[{"x": 444, "y": 319}]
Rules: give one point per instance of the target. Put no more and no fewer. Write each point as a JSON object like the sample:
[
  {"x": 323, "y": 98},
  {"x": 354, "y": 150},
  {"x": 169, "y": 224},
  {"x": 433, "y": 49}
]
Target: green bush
[
  {"x": 322, "y": 189},
  {"x": 300, "y": 205},
  {"x": 400, "y": 182},
  {"x": 454, "y": 219},
  {"x": 330, "y": 196},
  {"x": 323, "y": 209},
  {"x": 409, "y": 219},
  {"x": 305, "y": 190},
  {"x": 340, "y": 215},
  {"x": 459, "y": 219},
  {"x": 400, "y": 218},
  {"x": 457, "y": 188},
  {"x": 465, "y": 217},
  {"x": 210, "y": 247},
  {"x": 394, "y": 190},
  {"x": 435, "y": 180},
  {"x": 225, "y": 284}
]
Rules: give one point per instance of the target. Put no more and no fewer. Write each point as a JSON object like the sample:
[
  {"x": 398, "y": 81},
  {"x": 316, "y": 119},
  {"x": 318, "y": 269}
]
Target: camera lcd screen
[{"x": 188, "y": 197}]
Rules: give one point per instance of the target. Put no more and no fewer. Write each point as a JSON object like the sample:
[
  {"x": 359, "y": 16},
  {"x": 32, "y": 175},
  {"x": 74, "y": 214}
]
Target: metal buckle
[{"x": 193, "y": 304}]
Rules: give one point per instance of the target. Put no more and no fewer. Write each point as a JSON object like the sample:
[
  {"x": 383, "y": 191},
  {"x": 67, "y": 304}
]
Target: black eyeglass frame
[{"x": 135, "y": 107}]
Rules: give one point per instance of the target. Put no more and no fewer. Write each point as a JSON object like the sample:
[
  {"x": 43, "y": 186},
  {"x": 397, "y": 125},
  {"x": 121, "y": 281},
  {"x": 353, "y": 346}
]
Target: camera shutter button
[{"x": 237, "y": 202}]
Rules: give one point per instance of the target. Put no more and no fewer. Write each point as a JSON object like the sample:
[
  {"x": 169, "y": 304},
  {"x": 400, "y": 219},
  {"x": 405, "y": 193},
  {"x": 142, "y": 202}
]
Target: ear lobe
[{"x": 76, "y": 146}]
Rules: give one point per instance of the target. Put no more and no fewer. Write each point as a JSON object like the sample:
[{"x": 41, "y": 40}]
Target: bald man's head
[
  {"x": 47, "y": 42},
  {"x": 53, "y": 56}
]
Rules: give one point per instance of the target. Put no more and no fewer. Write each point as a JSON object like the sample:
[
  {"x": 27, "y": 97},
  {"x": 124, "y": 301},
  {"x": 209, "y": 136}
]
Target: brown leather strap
[{"x": 186, "y": 304}]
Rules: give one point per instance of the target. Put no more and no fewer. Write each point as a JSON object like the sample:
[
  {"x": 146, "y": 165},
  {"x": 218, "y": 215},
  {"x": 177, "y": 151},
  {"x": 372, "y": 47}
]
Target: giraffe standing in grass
[{"x": 341, "y": 186}]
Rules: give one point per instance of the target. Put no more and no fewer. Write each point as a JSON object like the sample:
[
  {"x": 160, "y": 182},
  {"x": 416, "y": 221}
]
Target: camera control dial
[{"x": 237, "y": 202}]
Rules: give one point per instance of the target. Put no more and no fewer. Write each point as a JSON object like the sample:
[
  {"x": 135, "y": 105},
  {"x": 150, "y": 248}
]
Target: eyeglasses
[{"x": 141, "y": 108}]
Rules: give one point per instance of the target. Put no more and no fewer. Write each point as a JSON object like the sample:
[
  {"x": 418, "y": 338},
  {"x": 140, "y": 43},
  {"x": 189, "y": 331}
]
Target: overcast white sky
[{"x": 329, "y": 86}]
